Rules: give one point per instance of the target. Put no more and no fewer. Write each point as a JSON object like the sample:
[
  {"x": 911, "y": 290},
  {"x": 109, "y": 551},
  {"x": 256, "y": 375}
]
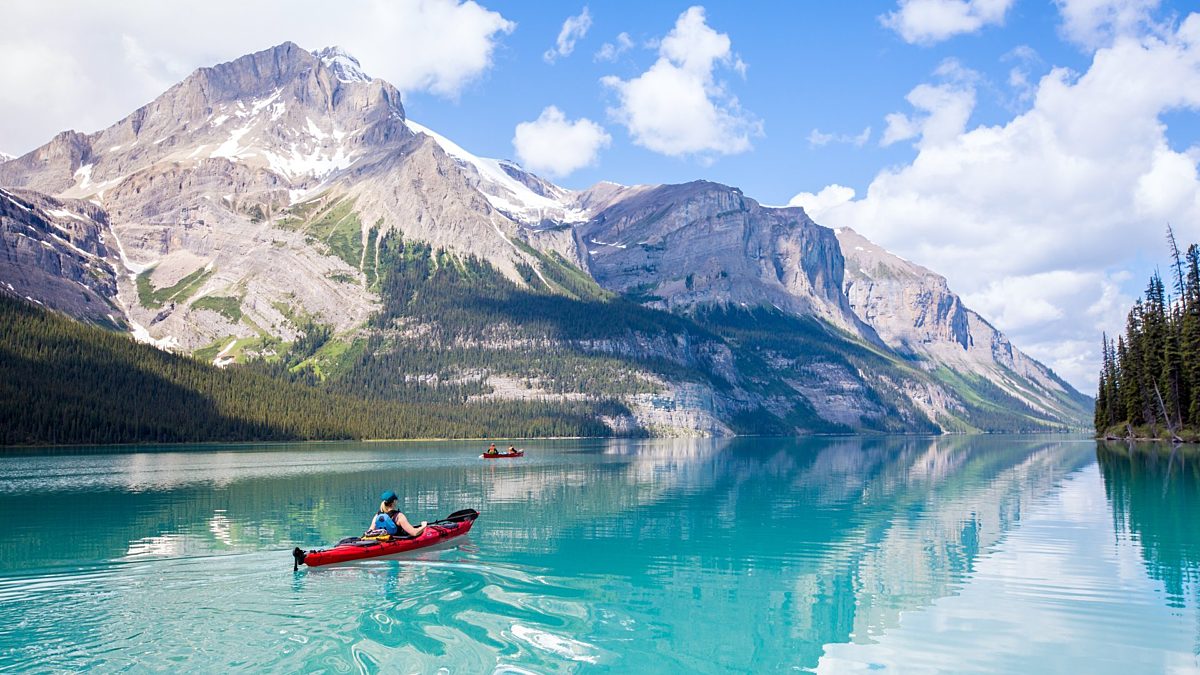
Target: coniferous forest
[
  {"x": 66, "y": 382},
  {"x": 1150, "y": 378}
]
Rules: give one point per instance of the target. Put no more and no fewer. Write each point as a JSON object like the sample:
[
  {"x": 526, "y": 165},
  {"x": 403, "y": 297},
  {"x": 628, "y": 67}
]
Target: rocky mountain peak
[
  {"x": 703, "y": 243},
  {"x": 283, "y": 110},
  {"x": 915, "y": 313},
  {"x": 911, "y": 307},
  {"x": 344, "y": 66},
  {"x": 53, "y": 167},
  {"x": 250, "y": 76},
  {"x": 518, "y": 195},
  {"x": 326, "y": 82}
]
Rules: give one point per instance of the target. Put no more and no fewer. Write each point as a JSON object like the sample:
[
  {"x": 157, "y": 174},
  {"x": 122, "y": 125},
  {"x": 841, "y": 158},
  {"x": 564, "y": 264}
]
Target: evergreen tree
[
  {"x": 1104, "y": 400},
  {"x": 1190, "y": 336},
  {"x": 1152, "y": 376}
]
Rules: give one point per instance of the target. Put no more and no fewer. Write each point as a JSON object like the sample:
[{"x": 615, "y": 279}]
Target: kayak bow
[{"x": 357, "y": 548}]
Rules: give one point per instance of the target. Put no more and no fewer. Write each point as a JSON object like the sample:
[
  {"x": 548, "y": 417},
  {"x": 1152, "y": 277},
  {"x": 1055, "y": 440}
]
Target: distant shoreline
[
  {"x": 243, "y": 443},
  {"x": 169, "y": 444}
]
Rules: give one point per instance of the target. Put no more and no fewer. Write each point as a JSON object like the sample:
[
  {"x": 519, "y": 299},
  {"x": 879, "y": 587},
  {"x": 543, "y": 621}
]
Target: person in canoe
[
  {"x": 492, "y": 450},
  {"x": 512, "y": 449},
  {"x": 389, "y": 520}
]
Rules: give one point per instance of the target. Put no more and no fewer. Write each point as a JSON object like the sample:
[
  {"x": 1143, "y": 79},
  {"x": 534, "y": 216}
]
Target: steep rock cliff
[
  {"x": 55, "y": 252},
  {"x": 702, "y": 243},
  {"x": 916, "y": 314}
]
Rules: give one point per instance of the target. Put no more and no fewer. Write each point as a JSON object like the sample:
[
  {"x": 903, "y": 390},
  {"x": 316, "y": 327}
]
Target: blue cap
[{"x": 388, "y": 496}]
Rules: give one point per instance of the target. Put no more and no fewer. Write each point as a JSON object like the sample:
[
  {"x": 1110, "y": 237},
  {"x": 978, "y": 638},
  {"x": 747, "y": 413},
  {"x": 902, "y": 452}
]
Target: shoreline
[
  {"x": 1147, "y": 439},
  {"x": 242, "y": 443}
]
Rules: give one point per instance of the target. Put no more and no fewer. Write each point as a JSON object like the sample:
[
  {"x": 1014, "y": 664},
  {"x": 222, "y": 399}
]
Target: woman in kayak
[{"x": 390, "y": 520}]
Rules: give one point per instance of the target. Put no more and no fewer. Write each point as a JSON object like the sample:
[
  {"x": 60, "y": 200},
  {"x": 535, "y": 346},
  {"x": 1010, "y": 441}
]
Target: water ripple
[{"x": 924, "y": 555}]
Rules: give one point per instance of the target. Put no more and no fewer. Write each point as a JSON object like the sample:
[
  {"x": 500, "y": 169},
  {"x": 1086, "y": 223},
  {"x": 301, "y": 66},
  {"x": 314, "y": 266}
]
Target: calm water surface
[{"x": 975, "y": 554}]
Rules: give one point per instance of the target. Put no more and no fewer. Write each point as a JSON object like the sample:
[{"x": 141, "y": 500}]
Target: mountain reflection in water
[{"x": 953, "y": 554}]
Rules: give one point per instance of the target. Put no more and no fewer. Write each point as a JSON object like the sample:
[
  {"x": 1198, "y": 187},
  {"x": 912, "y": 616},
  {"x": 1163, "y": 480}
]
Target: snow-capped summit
[{"x": 344, "y": 66}]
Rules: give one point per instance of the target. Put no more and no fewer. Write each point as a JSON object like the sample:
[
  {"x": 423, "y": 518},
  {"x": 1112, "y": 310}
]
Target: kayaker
[
  {"x": 492, "y": 450},
  {"x": 512, "y": 449},
  {"x": 390, "y": 520}
]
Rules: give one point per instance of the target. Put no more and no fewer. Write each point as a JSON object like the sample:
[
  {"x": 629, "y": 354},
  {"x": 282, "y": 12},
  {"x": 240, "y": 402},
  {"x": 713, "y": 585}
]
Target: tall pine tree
[{"x": 1150, "y": 376}]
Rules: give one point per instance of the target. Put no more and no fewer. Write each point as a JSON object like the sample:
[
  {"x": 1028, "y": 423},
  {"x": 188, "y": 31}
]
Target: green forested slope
[
  {"x": 62, "y": 381},
  {"x": 446, "y": 319}
]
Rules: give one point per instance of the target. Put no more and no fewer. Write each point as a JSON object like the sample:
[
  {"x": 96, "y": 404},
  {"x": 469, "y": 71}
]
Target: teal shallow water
[{"x": 964, "y": 554}]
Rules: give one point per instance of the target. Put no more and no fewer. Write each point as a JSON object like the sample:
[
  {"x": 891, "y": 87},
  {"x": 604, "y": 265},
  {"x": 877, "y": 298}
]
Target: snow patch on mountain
[
  {"x": 344, "y": 66},
  {"x": 231, "y": 148},
  {"x": 134, "y": 268},
  {"x": 507, "y": 194},
  {"x": 142, "y": 334},
  {"x": 4, "y": 157},
  {"x": 312, "y": 151},
  {"x": 84, "y": 174},
  {"x": 298, "y": 164}
]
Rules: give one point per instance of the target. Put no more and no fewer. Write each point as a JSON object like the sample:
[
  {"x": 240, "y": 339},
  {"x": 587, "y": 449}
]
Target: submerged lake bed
[{"x": 949, "y": 554}]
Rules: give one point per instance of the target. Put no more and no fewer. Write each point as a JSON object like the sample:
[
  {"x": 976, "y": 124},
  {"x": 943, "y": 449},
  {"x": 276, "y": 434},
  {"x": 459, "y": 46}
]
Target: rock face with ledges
[
  {"x": 702, "y": 243},
  {"x": 916, "y": 314},
  {"x": 909, "y": 306},
  {"x": 54, "y": 251}
]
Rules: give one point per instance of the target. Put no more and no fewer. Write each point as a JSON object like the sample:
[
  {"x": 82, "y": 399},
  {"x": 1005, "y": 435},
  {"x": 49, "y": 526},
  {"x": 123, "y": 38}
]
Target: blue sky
[
  {"x": 828, "y": 66},
  {"x": 1032, "y": 151}
]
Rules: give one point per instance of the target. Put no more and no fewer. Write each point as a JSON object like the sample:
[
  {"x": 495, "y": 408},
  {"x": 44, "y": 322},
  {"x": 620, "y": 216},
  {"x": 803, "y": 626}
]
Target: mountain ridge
[{"x": 268, "y": 197}]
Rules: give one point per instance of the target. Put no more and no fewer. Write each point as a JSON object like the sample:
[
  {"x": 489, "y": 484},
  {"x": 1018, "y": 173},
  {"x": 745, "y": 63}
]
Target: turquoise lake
[{"x": 913, "y": 555}]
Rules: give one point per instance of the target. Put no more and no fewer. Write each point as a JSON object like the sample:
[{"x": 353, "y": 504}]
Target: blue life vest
[{"x": 383, "y": 521}]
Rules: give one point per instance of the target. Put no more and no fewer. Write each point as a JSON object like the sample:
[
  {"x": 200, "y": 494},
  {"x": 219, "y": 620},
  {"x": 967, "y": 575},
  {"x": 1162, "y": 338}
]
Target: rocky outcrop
[
  {"x": 54, "y": 252},
  {"x": 916, "y": 314},
  {"x": 911, "y": 308},
  {"x": 683, "y": 246},
  {"x": 52, "y": 168}
]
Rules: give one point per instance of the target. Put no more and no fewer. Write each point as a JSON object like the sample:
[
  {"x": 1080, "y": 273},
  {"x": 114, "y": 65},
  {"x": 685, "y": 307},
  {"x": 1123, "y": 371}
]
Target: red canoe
[
  {"x": 506, "y": 455},
  {"x": 357, "y": 548}
]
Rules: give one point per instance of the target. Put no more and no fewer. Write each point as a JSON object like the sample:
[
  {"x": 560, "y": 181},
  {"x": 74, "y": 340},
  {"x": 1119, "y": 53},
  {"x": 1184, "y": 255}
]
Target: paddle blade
[{"x": 459, "y": 516}]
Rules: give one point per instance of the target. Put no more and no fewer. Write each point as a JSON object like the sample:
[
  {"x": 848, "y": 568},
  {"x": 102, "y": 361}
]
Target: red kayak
[
  {"x": 505, "y": 455},
  {"x": 357, "y": 548}
]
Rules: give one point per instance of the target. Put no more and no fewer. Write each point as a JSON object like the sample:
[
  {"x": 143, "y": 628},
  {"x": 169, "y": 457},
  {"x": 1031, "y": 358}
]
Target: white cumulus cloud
[
  {"x": 941, "y": 110},
  {"x": 573, "y": 30},
  {"x": 1037, "y": 221},
  {"x": 815, "y": 205},
  {"x": 927, "y": 22},
  {"x": 109, "y": 58},
  {"x": 942, "y": 114},
  {"x": 1095, "y": 23},
  {"x": 678, "y": 107},
  {"x": 554, "y": 145}
]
